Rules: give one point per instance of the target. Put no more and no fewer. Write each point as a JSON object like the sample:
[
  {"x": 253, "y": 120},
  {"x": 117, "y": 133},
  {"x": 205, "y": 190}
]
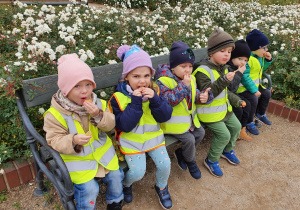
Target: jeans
[
  {"x": 86, "y": 193},
  {"x": 242, "y": 113},
  {"x": 137, "y": 167}
]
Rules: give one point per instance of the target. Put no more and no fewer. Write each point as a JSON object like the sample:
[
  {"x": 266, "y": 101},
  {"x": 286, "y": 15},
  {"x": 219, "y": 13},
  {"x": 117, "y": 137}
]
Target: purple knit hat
[{"x": 133, "y": 57}]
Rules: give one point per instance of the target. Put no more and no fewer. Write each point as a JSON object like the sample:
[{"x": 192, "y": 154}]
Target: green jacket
[{"x": 218, "y": 86}]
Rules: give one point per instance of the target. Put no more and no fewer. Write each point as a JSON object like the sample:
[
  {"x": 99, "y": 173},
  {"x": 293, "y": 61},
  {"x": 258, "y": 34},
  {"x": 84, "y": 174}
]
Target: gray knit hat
[{"x": 219, "y": 40}]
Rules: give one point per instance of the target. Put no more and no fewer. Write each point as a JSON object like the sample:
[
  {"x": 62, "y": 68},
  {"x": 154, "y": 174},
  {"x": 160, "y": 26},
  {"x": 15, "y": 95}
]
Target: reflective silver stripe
[
  {"x": 70, "y": 123},
  {"x": 179, "y": 119},
  {"x": 109, "y": 155},
  {"x": 141, "y": 129},
  {"x": 212, "y": 109},
  {"x": 142, "y": 146},
  {"x": 99, "y": 103},
  {"x": 81, "y": 165},
  {"x": 88, "y": 149}
]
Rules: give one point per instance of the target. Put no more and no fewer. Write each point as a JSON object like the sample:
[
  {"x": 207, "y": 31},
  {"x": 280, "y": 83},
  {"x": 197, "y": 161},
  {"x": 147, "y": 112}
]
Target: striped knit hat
[{"x": 219, "y": 40}]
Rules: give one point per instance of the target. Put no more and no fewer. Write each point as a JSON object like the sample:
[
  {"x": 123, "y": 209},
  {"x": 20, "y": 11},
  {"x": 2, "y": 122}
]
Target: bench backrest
[{"x": 104, "y": 76}]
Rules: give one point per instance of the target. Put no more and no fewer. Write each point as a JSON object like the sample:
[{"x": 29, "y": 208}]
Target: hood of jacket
[{"x": 163, "y": 70}]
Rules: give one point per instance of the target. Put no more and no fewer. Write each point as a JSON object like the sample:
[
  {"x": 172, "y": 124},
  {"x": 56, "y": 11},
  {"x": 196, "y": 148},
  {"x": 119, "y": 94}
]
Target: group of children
[{"x": 222, "y": 92}]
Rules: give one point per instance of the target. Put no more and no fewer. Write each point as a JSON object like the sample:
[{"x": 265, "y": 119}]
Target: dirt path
[{"x": 268, "y": 177}]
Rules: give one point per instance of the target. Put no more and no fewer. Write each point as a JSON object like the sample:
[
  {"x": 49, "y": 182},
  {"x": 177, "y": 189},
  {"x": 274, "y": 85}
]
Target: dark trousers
[
  {"x": 258, "y": 105},
  {"x": 243, "y": 113}
]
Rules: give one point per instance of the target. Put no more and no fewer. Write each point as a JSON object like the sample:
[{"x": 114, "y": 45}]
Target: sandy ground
[{"x": 268, "y": 177}]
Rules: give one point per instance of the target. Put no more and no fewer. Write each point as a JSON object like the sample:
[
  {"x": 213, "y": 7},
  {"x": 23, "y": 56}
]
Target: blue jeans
[
  {"x": 137, "y": 167},
  {"x": 86, "y": 193}
]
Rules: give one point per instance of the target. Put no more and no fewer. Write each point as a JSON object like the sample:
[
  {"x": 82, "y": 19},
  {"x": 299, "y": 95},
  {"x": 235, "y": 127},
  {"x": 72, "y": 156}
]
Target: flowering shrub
[{"x": 32, "y": 38}]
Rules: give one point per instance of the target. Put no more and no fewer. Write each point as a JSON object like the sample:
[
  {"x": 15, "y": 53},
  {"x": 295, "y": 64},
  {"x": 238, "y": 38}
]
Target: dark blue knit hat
[
  {"x": 241, "y": 50},
  {"x": 181, "y": 53},
  {"x": 256, "y": 39}
]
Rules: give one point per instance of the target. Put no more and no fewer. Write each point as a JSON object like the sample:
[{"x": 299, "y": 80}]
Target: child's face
[
  {"x": 183, "y": 69},
  {"x": 139, "y": 77},
  {"x": 261, "y": 51},
  {"x": 81, "y": 92},
  {"x": 221, "y": 57},
  {"x": 240, "y": 61}
]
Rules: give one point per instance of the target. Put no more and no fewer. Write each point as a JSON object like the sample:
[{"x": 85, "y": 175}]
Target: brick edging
[
  {"x": 280, "y": 109},
  {"x": 19, "y": 173}
]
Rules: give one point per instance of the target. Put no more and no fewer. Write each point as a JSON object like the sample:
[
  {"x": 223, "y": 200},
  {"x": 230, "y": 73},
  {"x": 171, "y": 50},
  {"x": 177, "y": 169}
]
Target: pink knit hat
[
  {"x": 133, "y": 57},
  {"x": 72, "y": 70}
]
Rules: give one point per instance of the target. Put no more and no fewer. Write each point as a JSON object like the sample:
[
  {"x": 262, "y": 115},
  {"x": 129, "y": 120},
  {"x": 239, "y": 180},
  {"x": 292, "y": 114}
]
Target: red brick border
[{"x": 19, "y": 173}]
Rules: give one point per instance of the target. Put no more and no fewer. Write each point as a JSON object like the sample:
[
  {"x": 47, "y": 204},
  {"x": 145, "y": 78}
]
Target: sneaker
[
  {"x": 252, "y": 128},
  {"x": 244, "y": 135},
  {"x": 194, "y": 170},
  {"x": 262, "y": 118},
  {"x": 164, "y": 197},
  {"x": 230, "y": 157},
  {"x": 213, "y": 167},
  {"x": 181, "y": 162},
  {"x": 127, "y": 191},
  {"x": 115, "y": 206},
  {"x": 257, "y": 124}
]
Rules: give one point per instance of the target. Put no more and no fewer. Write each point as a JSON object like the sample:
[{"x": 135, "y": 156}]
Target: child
[
  {"x": 239, "y": 57},
  {"x": 76, "y": 129},
  {"x": 251, "y": 87},
  {"x": 138, "y": 110},
  {"x": 218, "y": 115},
  {"x": 178, "y": 86}
]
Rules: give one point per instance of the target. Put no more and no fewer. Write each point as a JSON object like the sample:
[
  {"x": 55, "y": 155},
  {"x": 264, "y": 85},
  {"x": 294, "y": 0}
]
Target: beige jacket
[{"x": 59, "y": 138}]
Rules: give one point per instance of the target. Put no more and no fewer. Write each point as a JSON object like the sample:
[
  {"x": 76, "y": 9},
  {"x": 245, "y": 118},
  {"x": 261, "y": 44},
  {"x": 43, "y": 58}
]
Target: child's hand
[
  {"x": 148, "y": 92},
  {"x": 137, "y": 92},
  {"x": 187, "y": 79},
  {"x": 204, "y": 96},
  {"x": 91, "y": 108},
  {"x": 268, "y": 55},
  {"x": 230, "y": 76},
  {"x": 243, "y": 104},
  {"x": 242, "y": 69},
  {"x": 257, "y": 94},
  {"x": 81, "y": 139}
]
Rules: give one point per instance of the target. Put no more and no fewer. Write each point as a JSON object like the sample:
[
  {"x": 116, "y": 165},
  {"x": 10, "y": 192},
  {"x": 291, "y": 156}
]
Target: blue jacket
[{"x": 128, "y": 119}]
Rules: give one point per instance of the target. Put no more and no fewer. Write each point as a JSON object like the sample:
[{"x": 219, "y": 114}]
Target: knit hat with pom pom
[
  {"x": 133, "y": 57},
  {"x": 72, "y": 70}
]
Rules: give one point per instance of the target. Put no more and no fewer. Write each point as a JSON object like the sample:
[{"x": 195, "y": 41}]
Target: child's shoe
[
  {"x": 181, "y": 162},
  {"x": 230, "y": 157},
  {"x": 262, "y": 118},
  {"x": 164, "y": 197},
  {"x": 127, "y": 191},
  {"x": 213, "y": 167},
  {"x": 257, "y": 124},
  {"x": 244, "y": 135},
  {"x": 252, "y": 128},
  {"x": 115, "y": 206},
  {"x": 194, "y": 170}
]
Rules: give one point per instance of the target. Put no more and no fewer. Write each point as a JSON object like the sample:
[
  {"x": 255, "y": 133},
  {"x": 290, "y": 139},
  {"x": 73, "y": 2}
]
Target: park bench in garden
[{"x": 48, "y": 161}]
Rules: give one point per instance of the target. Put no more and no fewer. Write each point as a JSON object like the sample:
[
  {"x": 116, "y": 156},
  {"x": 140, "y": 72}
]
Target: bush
[{"x": 32, "y": 38}]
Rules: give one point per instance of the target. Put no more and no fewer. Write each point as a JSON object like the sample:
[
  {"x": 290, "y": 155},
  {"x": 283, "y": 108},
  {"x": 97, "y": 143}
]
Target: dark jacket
[
  {"x": 217, "y": 86},
  {"x": 234, "y": 84},
  {"x": 126, "y": 120},
  {"x": 181, "y": 91}
]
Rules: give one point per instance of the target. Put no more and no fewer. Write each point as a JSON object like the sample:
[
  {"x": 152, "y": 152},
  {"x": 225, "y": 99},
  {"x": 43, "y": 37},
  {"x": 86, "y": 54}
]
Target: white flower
[
  {"x": 17, "y": 63},
  {"x": 112, "y": 61},
  {"x": 103, "y": 94},
  {"x": 19, "y": 55},
  {"x": 294, "y": 59},
  {"x": 272, "y": 72},
  {"x": 107, "y": 51},
  {"x": 265, "y": 80},
  {"x": 41, "y": 110},
  {"x": 90, "y": 54},
  {"x": 83, "y": 57},
  {"x": 2, "y": 82},
  {"x": 275, "y": 53}
]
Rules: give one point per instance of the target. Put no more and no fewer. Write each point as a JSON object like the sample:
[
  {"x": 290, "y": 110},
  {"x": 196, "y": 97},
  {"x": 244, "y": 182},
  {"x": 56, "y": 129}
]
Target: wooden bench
[{"x": 47, "y": 160}]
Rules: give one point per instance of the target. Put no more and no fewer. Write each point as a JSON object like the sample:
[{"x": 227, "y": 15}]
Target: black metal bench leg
[{"x": 41, "y": 189}]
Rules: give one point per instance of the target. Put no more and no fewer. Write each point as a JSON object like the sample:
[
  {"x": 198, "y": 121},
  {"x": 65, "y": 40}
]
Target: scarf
[{"x": 69, "y": 105}]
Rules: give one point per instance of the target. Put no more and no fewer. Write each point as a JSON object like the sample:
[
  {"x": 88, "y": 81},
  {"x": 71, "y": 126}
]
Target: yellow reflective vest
[
  {"x": 255, "y": 74},
  {"x": 83, "y": 166},
  {"x": 182, "y": 117},
  {"x": 217, "y": 109},
  {"x": 146, "y": 136}
]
